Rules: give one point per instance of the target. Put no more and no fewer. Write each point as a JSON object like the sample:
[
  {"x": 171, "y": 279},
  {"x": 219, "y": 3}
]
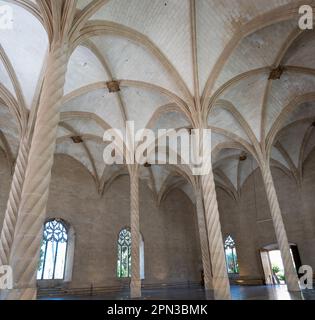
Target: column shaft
[
  {"x": 10, "y": 217},
  {"x": 290, "y": 272},
  {"x": 135, "y": 284},
  {"x": 221, "y": 284},
  {"x": 205, "y": 254},
  {"x": 26, "y": 245}
]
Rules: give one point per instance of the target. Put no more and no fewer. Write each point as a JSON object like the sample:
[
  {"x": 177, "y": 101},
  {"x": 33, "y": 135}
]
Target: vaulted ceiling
[{"x": 246, "y": 63}]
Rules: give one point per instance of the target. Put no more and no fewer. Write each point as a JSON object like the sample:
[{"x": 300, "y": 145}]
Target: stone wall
[
  {"x": 171, "y": 240},
  {"x": 171, "y": 247},
  {"x": 249, "y": 221}
]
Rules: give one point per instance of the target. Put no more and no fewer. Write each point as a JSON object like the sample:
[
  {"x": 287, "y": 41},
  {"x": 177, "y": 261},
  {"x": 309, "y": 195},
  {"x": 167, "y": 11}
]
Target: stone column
[
  {"x": 205, "y": 254},
  {"x": 26, "y": 245},
  {"x": 10, "y": 217},
  {"x": 289, "y": 270},
  {"x": 135, "y": 284},
  {"x": 220, "y": 279}
]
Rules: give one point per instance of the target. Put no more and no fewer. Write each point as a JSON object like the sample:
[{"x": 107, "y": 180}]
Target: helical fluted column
[
  {"x": 135, "y": 284},
  {"x": 26, "y": 245},
  {"x": 289, "y": 269},
  {"x": 13, "y": 204},
  {"x": 205, "y": 254},
  {"x": 220, "y": 279}
]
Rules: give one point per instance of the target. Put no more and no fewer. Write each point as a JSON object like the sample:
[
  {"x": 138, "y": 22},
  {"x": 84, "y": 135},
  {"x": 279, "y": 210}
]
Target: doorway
[{"x": 273, "y": 265}]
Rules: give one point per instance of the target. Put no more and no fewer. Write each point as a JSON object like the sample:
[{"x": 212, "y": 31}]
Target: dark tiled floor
[{"x": 238, "y": 293}]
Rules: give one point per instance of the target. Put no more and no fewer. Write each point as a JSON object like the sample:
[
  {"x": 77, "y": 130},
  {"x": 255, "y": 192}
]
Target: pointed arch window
[
  {"x": 124, "y": 254},
  {"x": 53, "y": 251},
  {"x": 231, "y": 256}
]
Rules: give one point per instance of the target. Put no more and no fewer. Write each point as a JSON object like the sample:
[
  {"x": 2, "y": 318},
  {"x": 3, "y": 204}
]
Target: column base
[
  {"x": 222, "y": 289},
  {"x": 292, "y": 282},
  {"x": 209, "y": 294},
  {"x": 135, "y": 289},
  {"x": 222, "y": 295},
  {"x": 19, "y": 294},
  {"x": 294, "y": 287},
  {"x": 208, "y": 285}
]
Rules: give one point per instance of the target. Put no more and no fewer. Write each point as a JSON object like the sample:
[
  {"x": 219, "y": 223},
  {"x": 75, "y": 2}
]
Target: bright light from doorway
[{"x": 277, "y": 264}]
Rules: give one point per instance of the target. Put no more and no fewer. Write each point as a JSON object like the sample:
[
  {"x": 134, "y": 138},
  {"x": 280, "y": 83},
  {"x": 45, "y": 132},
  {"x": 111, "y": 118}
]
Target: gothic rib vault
[{"x": 178, "y": 64}]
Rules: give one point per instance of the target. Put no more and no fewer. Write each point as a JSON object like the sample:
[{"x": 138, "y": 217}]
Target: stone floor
[{"x": 238, "y": 293}]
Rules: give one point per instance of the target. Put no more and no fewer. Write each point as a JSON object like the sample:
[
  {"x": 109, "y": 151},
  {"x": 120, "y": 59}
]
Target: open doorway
[
  {"x": 273, "y": 265},
  {"x": 277, "y": 267}
]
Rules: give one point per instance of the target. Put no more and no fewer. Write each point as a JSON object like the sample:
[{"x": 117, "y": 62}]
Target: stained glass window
[
  {"x": 53, "y": 251},
  {"x": 230, "y": 255},
  {"x": 124, "y": 254}
]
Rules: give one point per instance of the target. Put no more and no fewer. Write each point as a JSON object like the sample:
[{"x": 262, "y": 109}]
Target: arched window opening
[
  {"x": 53, "y": 251},
  {"x": 231, "y": 256},
  {"x": 124, "y": 255}
]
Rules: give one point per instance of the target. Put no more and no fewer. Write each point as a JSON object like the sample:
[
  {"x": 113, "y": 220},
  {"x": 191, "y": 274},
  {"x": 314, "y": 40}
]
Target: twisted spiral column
[
  {"x": 289, "y": 269},
  {"x": 220, "y": 279},
  {"x": 10, "y": 217},
  {"x": 135, "y": 284},
  {"x": 205, "y": 254},
  {"x": 26, "y": 245}
]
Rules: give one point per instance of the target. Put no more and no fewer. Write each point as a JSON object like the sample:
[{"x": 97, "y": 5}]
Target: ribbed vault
[{"x": 166, "y": 55}]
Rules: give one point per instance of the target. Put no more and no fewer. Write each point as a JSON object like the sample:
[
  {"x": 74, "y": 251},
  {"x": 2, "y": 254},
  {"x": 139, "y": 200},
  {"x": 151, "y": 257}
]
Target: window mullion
[
  {"x": 44, "y": 263},
  {"x": 55, "y": 259}
]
